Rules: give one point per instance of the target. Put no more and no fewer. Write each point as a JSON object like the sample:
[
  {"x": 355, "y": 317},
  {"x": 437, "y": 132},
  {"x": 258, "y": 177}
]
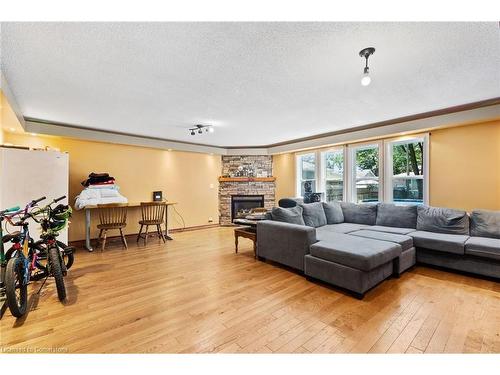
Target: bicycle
[
  {"x": 59, "y": 256},
  {"x": 3, "y": 259},
  {"x": 20, "y": 264}
]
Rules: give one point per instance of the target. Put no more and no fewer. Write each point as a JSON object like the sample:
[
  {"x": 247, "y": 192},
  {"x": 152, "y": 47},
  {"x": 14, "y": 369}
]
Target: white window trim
[
  {"x": 388, "y": 171},
  {"x": 352, "y": 194},
  {"x": 322, "y": 177},
  {"x": 298, "y": 171},
  {"x": 385, "y": 167}
]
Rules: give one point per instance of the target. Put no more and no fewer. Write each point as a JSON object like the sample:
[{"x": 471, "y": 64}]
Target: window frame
[
  {"x": 388, "y": 171},
  {"x": 385, "y": 168},
  {"x": 298, "y": 170},
  {"x": 352, "y": 168},
  {"x": 322, "y": 175}
]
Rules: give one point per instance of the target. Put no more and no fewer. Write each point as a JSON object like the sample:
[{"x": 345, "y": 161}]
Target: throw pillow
[
  {"x": 288, "y": 215},
  {"x": 313, "y": 214},
  {"x": 333, "y": 212}
]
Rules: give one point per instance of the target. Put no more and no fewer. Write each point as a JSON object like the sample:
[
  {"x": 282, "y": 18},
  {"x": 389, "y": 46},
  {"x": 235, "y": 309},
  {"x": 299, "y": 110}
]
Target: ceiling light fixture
[
  {"x": 366, "y": 53},
  {"x": 199, "y": 129}
]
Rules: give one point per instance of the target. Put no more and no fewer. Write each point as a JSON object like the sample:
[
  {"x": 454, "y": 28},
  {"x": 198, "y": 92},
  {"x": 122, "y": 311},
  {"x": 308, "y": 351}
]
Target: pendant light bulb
[{"x": 366, "y": 79}]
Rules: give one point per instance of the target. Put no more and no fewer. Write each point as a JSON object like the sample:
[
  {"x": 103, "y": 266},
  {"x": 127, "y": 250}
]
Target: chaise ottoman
[
  {"x": 351, "y": 262},
  {"x": 408, "y": 256}
]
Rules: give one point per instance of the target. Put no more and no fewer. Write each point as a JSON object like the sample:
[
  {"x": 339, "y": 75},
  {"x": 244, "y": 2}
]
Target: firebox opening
[{"x": 241, "y": 205}]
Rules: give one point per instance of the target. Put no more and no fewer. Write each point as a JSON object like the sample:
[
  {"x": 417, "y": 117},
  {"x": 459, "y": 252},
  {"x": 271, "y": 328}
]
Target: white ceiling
[{"x": 257, "y": 83}]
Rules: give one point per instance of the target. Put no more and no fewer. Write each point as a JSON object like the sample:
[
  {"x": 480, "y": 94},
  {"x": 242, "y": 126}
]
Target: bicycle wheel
[
  {"x": 56, "y": 271},
  {"x": 15, "y": 288},
  {"x": 68, "y": 256}
]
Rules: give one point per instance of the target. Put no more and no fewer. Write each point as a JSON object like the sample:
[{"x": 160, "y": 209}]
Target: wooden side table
[{"x": 246, "y": 232}]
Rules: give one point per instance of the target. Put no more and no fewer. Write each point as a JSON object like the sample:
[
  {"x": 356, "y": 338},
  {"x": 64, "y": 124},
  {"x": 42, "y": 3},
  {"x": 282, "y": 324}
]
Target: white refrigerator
[{"x": 30, "y": 174}]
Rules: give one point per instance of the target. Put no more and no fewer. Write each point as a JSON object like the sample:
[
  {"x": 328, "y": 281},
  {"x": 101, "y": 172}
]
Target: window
[
  {"x": 390, "y": 170},
  {"x": 333, "y": 175},
  {"x": 365, "y": 173},
  {"x": 406, "y": 171},
  {"x": 306, "y": 172}
]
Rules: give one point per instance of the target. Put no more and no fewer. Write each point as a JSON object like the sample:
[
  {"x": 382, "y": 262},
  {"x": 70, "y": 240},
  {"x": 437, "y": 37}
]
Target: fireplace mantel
[{"x": 247, "y": 179}]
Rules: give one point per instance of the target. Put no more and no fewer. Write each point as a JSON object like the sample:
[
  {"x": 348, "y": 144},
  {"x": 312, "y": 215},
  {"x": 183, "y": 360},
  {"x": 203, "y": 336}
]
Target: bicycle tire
[
  {"x": 14, "y": 281},
  {"x": 69, "y": 259},
  {"x": 56, "y": 272}
]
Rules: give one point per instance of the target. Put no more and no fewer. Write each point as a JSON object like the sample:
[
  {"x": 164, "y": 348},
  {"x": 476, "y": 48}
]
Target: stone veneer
[{"x": 230, "y": 164}]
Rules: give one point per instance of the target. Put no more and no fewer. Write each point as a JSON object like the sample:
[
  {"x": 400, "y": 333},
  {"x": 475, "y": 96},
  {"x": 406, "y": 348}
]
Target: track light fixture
[
  {"x": 366, "y": 53},
  {"x": 199, "y": 129}
]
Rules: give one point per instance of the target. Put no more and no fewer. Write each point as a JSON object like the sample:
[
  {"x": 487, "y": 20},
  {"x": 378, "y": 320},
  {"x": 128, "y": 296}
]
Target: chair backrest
[
  {"x": 153, "y": 211},
  {"x": 113, "y": 213}
]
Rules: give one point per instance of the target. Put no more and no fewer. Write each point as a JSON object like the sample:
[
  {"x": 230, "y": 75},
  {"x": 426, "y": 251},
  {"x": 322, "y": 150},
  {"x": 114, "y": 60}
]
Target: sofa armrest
[{"x": 284, "y": 243}]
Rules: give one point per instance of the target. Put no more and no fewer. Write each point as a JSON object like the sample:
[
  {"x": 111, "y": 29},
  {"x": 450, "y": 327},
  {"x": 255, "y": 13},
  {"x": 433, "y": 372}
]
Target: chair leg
[
  {"x": 146, "y": 236},
  {"x": 104, "y": 240},
  {"x": 160, "y": 233},
  {"x": 123, "y": 239},
  {"x": 139, "y": 235},
  {"x": 99, "y": 238}
]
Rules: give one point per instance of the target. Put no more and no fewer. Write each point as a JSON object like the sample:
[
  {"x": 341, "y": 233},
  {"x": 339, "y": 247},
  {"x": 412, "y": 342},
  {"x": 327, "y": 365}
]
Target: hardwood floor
[{"x": 194, "y": 294}]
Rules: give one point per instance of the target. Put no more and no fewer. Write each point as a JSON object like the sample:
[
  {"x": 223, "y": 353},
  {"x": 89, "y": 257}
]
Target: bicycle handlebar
[
  {"x": 59, "y": 199},
  {"x": 33, "y": 202}
]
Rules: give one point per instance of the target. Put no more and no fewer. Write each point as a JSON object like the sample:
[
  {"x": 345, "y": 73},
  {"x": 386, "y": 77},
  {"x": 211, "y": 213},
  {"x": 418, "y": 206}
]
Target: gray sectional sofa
[{"x": 357, "y": 246}]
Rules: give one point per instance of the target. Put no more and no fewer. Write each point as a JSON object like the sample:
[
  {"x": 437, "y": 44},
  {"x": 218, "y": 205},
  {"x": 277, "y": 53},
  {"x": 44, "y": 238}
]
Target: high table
[{"x": 89, "y": 208}]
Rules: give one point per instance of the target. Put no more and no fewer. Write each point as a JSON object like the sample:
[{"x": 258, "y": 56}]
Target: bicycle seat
[{"x": 14, "y": 237}]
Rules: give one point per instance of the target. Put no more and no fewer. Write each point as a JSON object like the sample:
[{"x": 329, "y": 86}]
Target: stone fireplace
[{"x": 246, "y": 182}]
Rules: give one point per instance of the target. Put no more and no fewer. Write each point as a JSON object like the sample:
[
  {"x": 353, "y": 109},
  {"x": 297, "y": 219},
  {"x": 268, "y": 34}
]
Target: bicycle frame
[
  {"x": 3, "y": 259},
  {"x": 22, "y": 248}
]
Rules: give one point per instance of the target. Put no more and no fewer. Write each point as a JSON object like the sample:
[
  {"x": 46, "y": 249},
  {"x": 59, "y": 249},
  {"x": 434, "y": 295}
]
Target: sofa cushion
[
  {"x": 402, "y": 216},
  {"x": 288, "y": 215},
  {"x": 484, "y": 247},
  {"x": 442, "y": 220},
  {"x": 406, "y": 242},
  {"x": 394, "y": 230},
  {"x": 333, "y": 212},
  {"x": 313, "y": 214},
  {"x": 356, "y": 252},
  {"x": 359, "y": 213},
  {"x": 448, "y": 243},
  {"x": 323, "y": 232},
  {"x": 485, "y": 223}
]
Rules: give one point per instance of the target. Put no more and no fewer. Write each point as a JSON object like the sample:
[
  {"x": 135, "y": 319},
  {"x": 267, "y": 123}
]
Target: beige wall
[
  {"x": 284, "y": 171},
  {"x": 183, "y": 177},
  {"x": 464, "y": 167}
]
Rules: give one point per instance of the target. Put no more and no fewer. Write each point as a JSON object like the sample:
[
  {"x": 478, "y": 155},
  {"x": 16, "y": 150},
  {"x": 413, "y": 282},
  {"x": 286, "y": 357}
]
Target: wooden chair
[
  {"x": 112, "y": 216},
  {"x": 153, "y": 213}
]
